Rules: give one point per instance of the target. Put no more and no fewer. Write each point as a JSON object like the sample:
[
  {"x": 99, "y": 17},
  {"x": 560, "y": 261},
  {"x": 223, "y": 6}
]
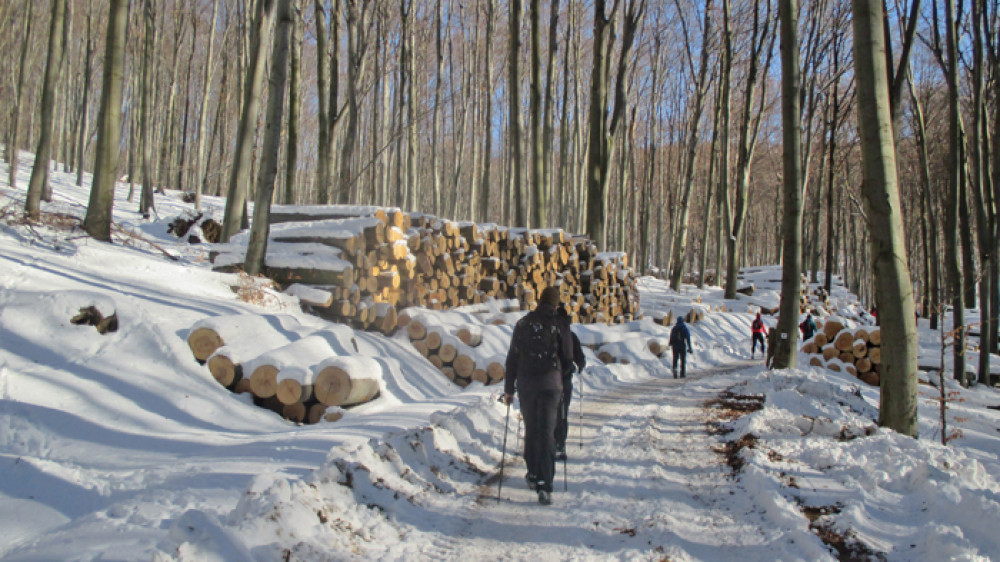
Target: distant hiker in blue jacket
[{"x": 680, "y": 344}]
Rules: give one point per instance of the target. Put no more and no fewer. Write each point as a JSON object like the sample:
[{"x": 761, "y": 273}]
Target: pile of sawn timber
[
  {"x": 368, "y": 263},
  {"x": 858, "y": 351}
]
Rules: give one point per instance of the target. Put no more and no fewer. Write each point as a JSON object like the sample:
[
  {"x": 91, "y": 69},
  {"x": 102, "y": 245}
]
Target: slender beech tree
[
  {"x": 201, "y": 162},
  {"x": 39, "y": 181},
  {"x": 146, "y": 112},
  {"x": 693, "y": 140},
  {"x": 880, "y": 191},
  {"x": 791, "y": 225},
  {"x": 514, "y": 100},
  {"x": 257, "y": 246},
  {"x": 88, "y": 73},
  {"x": 97, "y": 222},
  {"x": 761, "y": 45},
  {"x": 236, "y": 197},
  {"x": 294, "y": 106},
  {"x": 358, "y": 29}
]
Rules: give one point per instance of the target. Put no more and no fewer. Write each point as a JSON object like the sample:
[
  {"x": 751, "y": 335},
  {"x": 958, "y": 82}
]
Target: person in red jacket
[{"x": 758, "y": 331}]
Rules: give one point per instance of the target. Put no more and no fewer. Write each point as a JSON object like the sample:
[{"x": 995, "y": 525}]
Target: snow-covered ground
[{"x": 122, "y": 447}]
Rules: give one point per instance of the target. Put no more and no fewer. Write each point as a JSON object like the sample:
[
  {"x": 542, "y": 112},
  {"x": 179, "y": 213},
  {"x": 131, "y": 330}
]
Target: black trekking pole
[
  {"x": 503, "y": 452},
  {"x": 581, "y": 409},
  {"x": 564, "y": 412}
]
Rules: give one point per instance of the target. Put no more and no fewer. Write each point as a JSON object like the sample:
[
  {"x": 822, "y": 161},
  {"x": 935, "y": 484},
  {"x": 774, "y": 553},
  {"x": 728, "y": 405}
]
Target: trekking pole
[
  {"x": 503, "y": 453},
  {"x": 564, "y": 412},
  {"x": 581, "y": 409}
]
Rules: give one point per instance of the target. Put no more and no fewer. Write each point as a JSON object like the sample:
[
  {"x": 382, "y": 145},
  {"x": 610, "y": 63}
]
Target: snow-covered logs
[
  {"x": 455, "y": 355},
  {"x": 856, "y": 351},
  {"x": 303, "y": 373},
  {"x": 371, "y": 262}
]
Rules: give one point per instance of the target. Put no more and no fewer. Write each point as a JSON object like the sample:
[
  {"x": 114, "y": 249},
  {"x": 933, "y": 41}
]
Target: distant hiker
[
  {"x": 579, "y": 361},
  {"x": 539, "y": 347},
  {"x": 680, "y": 344},
  {"x": 808, "y": 327},
  {"x": 757, "y": 332}
]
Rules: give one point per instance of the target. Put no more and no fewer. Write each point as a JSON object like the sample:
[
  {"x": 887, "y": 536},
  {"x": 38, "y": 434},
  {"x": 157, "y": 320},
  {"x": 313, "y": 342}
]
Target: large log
[
  {"x": 346, "y": 381},
  {"x": 223, "y": 368},
  {"x": 297, "y": 357}
]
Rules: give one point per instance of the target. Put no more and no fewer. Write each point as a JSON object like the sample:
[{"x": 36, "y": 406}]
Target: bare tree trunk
[
  {"x": 762, "y": 36},
  {"x": 436, "y": 206},
  {"x": 791, "y": 225},
  {"x": 145, "y": 119},
  {"x": 537, "y": 187},
  {"x": 236, "y": 198},
  {"x": 547, "y": 127},
  {"x": 88, "y": 73},
  {"x": 514, "y": 97},
  {"x": 14, "y": 141},
  {"x": 202, "y": 126},
  {"x": 323, "y": 109},
  {"x": 691, "y": 151},
  {"x": 257, "y": 246},
  {"x": 357, "y": 44},
  {"x": 97, "y": 223},
  {"x": 294, "y": 107},
  {"x": 484, "y": 196},
  {"x": 893, "y": 291},
  {"x": 40, "y": 172}
]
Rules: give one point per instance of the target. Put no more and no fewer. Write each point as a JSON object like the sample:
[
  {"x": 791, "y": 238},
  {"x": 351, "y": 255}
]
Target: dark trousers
[
  {"x": 540, "y": 409},
  {"x": 682, "y": 354},
  {"x": 758, "y": 337},
  {"x": 562, "y": 423}
]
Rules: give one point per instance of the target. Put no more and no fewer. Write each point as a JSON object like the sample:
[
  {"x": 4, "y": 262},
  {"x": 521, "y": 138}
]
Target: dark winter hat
[{"x": 550, "y": 296}]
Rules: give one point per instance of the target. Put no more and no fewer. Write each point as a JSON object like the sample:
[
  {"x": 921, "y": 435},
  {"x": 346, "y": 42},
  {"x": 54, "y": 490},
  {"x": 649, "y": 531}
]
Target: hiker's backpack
[{"x": 539, "y": 345}]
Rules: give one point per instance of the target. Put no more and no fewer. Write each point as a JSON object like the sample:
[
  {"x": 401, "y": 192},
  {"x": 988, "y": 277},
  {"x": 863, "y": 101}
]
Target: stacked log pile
[
  {"x": 455, "y": 355},
  {"x": 302, "y": 374},
  {"x": 366, "y": 264},
  {"x": 856, "y": 351}
]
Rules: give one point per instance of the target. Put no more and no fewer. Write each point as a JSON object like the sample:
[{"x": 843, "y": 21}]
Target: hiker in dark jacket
[
  {"x": 808, "y": 327},
  {"x": 539, "y": 347},
  {"x": 680, "y": 344},
  {"x": 579, "y": 361}
]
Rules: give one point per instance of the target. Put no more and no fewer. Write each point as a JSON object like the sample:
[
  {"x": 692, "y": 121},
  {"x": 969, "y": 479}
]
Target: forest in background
[{"x": 654, "y": 127}]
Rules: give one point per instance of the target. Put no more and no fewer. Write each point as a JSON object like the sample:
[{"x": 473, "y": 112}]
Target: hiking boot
[
  {"x": 532, "y": 481},
  {"x": 561, "y": 452},
  {"x": 544, "y": 497}
]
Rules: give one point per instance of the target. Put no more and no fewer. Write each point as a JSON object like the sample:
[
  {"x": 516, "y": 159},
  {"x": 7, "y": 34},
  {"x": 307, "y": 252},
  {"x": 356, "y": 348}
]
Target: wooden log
[
  {"x": 340, "y": 273},
  {"x": 815, "y": 361},
  {"x": 416, "y": 330},
  {"x": 481, "y": 376},
  {"x": 846, "y": 356},
  {"x": 316, "y": 412},
  {"x": 386, "y": 318},
  {"x": 464, "y": 365},
  {"x": 810, "y": 348},
  {"x": 862, "y": 334},
  {"x": 820, "y": 339},
  {"x": 844, "y": 341},
  {"x": 448, "y": 372},
  {"x": 496, "y": 369},
  {"x": 863, "y": 365},
  {"x": 203, "y": 342},
  {"x": 295, "y": 359},
  {"x": 829, "y": 352},
  {"x": 449, "y": 348},
  {"x": 344, "y": 381},
  {"x": 875, "y": 337},
  {"x": 295, "y": 412},
  {"x": 264, "y": 381},
  {"x": 860, "y": 348},
  {"x": 834, "y": 366},
  {"x": 294, "y": 385},
  {"x": 469, "y": 337},
  {"x": 875, "y": 355},
  {"x": 433, "y": 340},
  {"x": 831, "y": 328},
  {"x": 242, "y": 386},
  {"x": 310, "y": 296},
  {"x": 421, "y": 347},
  {"x": 224, "y": 369},
  {"x": 870, "y": 378}
]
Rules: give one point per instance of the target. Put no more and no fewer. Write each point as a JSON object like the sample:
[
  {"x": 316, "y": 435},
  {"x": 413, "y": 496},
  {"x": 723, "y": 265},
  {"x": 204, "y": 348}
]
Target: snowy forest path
[{"x": 645, "y": 481}]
